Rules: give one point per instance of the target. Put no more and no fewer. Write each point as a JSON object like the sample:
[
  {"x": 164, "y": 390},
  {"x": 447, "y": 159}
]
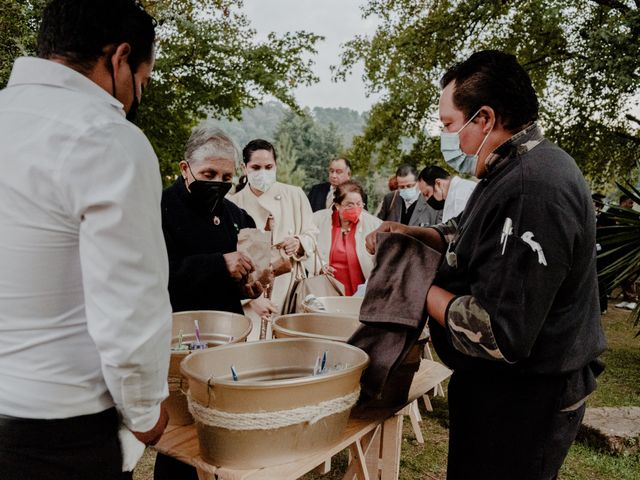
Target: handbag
[{"x": 319, "y": 285}]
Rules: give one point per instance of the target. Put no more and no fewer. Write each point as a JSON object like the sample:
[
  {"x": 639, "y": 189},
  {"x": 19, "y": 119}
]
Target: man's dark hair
[
  {"x": 406, "y": 169},
  {"x": 623, "y": 198},
  {"x": 79, "y": 31},
  {"x": 347, "y": 187},
  {"x": 344, "y": 159},
  {"x": 495, "y": 79},
  {"x": 255, "y": 145},
  {"x": 431, "y": 173}
]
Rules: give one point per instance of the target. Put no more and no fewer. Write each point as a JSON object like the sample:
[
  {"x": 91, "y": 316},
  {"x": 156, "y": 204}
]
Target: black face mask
[
  {"x": 133, "y": 111},
  {"x": 434, "y": 203},
  {"x": 209, "y": 194}
]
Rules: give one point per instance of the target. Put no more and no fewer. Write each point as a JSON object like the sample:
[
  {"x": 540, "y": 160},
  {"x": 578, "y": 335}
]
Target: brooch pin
[
  {"x": 216, "y": 220},
  {"x": 278, "y": 197}
]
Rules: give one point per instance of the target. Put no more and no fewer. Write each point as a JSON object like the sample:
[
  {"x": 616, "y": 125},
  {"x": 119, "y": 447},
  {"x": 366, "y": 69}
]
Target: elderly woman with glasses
[{"x": 341, "y": 238}]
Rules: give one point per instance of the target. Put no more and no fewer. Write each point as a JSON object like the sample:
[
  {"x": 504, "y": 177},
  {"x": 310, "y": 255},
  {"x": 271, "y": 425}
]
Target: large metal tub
[
  {"x": 338, "y": 305},
  {"x": 315, "y": 325},
  {"x": 273, "y": 376},
  {"x": 216, "y": 328}
]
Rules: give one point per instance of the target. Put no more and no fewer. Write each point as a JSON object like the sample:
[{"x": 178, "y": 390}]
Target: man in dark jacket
[
  {"x": 406, "y": 205},
  {"x": 201, "y": 232},
  {"x": 514, "y": 307},
  {"x": 321, "y": 195}
]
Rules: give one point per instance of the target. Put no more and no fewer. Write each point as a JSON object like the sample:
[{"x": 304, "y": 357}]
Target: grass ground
[{"x": 619, "y": 385}]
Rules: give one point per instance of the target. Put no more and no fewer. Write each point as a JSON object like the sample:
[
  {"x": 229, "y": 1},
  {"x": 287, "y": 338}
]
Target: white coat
[{"x": 292, "y": 217}]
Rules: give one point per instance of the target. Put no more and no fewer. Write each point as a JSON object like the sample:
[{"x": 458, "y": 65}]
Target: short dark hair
[
  {"x": 623, "y": 198},
  {"x": 495, "y": 79},
  {"x": 406, "y": 169},
  {"x": 347, "y": 187},
  {"x": 344, "y": 159},
  {"x": 79, "y": 30},
  {"x": 431, "y": 173},
  {"x": 255, "y": 145}
]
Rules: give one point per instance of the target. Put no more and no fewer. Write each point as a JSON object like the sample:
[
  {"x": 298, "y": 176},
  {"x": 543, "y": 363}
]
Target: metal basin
[
  {"x": 339, "y": 305},
  {"x": 216, "y": 328},
  {"x": 315, "y": 325},
  {"x": 273, "y": 376}
]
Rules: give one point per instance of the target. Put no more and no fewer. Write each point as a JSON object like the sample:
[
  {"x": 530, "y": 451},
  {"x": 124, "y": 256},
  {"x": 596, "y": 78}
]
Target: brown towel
[{"x": 393, "y": 313}]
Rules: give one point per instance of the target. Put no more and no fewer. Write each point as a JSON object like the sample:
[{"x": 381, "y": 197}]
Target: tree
[
  {"x": 288, "y": 170},
  {"x": 314, "y": 144},
  {"x": 582, "y": 56},
  {"x": 208, "y": 64}
]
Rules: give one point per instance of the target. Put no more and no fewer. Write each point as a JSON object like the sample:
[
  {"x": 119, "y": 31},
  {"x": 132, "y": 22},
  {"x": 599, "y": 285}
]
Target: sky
[{"x": 338, "y": 21}]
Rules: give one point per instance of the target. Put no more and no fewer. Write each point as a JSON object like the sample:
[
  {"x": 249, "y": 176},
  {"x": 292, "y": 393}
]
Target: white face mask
[
  {"x": 409, "y": 194},
  {"x": 262, "y": 179},
  {"x": 453, "y": 154}
]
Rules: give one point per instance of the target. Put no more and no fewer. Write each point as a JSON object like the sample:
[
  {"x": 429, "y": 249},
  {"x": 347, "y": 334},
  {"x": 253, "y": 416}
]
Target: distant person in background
[
  {"x": 406, "y": 205},
  {"x": 321, "y": 195},
  {"x": 342, "y": 230},
  {"x": 629, "y": 289},
  {"x": 602, "y": 220},
  {"x": 445, "y": 192},
  {"x": 292, "y": 219},
  {"x": 393, "y": 183}
]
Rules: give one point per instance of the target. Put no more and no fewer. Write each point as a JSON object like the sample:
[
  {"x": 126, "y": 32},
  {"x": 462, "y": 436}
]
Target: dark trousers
[
  {"x": 168, "y": 468},
  {"x": 508, "y": 428},
  {"x": 76, "y": 448}
]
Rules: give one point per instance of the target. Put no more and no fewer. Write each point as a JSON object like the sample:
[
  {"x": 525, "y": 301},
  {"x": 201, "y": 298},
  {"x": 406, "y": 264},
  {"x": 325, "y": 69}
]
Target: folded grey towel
[{"x": 393, "y": 310}]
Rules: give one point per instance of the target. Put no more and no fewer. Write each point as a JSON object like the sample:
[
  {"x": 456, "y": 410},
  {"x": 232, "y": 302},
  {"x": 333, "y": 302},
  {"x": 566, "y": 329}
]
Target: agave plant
[{"x": 621, "y": 245}]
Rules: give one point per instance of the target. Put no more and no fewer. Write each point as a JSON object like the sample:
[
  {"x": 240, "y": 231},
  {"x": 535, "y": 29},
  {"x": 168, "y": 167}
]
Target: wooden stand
[{"x": 373, "y": 437}]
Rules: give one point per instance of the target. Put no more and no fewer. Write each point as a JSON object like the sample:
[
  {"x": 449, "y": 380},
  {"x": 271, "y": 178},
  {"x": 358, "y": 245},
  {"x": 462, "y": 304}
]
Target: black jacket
[
  {"x": 198, "y": 275},
  {"x": 318, "y": 196}
]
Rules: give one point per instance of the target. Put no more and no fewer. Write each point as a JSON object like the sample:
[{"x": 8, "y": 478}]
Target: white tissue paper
[{"x": 132, "y": 449}]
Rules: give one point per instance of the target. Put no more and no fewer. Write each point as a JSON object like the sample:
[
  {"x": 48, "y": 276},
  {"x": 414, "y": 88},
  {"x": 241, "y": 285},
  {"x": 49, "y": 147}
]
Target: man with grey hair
[{"x": 201, "y": 232}]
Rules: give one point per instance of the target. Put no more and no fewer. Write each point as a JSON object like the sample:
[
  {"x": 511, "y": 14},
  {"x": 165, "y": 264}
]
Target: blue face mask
[
  {"x": 453, "y": 154},
  {"x": 409, "y": 194}
]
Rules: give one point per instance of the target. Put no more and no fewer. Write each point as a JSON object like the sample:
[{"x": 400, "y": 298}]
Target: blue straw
[{"x": 234, "y": 374}]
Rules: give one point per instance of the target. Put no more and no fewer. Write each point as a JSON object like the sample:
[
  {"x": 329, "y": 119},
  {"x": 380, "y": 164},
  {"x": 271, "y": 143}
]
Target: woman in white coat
[
  {"x": 341, "y": 238},
  {"x": 292, "y": 219}
]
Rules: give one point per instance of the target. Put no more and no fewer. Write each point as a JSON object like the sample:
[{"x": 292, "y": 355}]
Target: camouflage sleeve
[
  {"x": 448, "y": 230},
  {"x": 470, "y": 329}
]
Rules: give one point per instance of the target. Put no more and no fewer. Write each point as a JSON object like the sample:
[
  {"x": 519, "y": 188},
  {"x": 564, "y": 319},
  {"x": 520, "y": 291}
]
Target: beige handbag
[{"x": 319, "y": 285}]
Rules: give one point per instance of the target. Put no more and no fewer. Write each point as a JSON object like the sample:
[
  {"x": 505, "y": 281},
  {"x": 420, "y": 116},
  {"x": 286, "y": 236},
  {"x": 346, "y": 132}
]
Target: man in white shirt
[
  {"x": 84, "y": 310},
  {"x": 444, "y": 192}
]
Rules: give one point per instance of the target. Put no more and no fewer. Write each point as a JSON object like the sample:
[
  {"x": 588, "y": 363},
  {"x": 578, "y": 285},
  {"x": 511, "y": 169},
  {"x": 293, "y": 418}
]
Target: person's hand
[
  {"x": 291, "y": 246},
  {"x": 370, "y": 240},
  {"x": 152, "y": 436},
  {"x": 263, "y": 306},
  {"x": 238, "y": 264},
  {"x": 251, "y": 290},
  {"x": 329, "y": 270}
]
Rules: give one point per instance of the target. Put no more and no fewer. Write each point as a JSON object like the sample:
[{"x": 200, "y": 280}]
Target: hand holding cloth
[{"x": 393, "y": 310}]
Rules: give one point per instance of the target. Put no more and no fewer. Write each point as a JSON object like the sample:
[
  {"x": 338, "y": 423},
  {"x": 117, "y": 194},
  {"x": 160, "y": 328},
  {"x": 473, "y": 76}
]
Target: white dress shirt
[
  {"x": 85, "y": 317},
  {"x": 459, "y": 192}
]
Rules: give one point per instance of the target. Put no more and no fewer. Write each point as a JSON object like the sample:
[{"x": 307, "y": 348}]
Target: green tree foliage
[
  {"x": 288, "y": 169},
  {"x": 257, "y": 122},
  {"x": 348, "y": 122},
  {"x": 314, "y": 144},
  {"x": 582, "y": 56},
  {"x": 209, "y": 64},
  {"x": 18, "y": 31}
]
